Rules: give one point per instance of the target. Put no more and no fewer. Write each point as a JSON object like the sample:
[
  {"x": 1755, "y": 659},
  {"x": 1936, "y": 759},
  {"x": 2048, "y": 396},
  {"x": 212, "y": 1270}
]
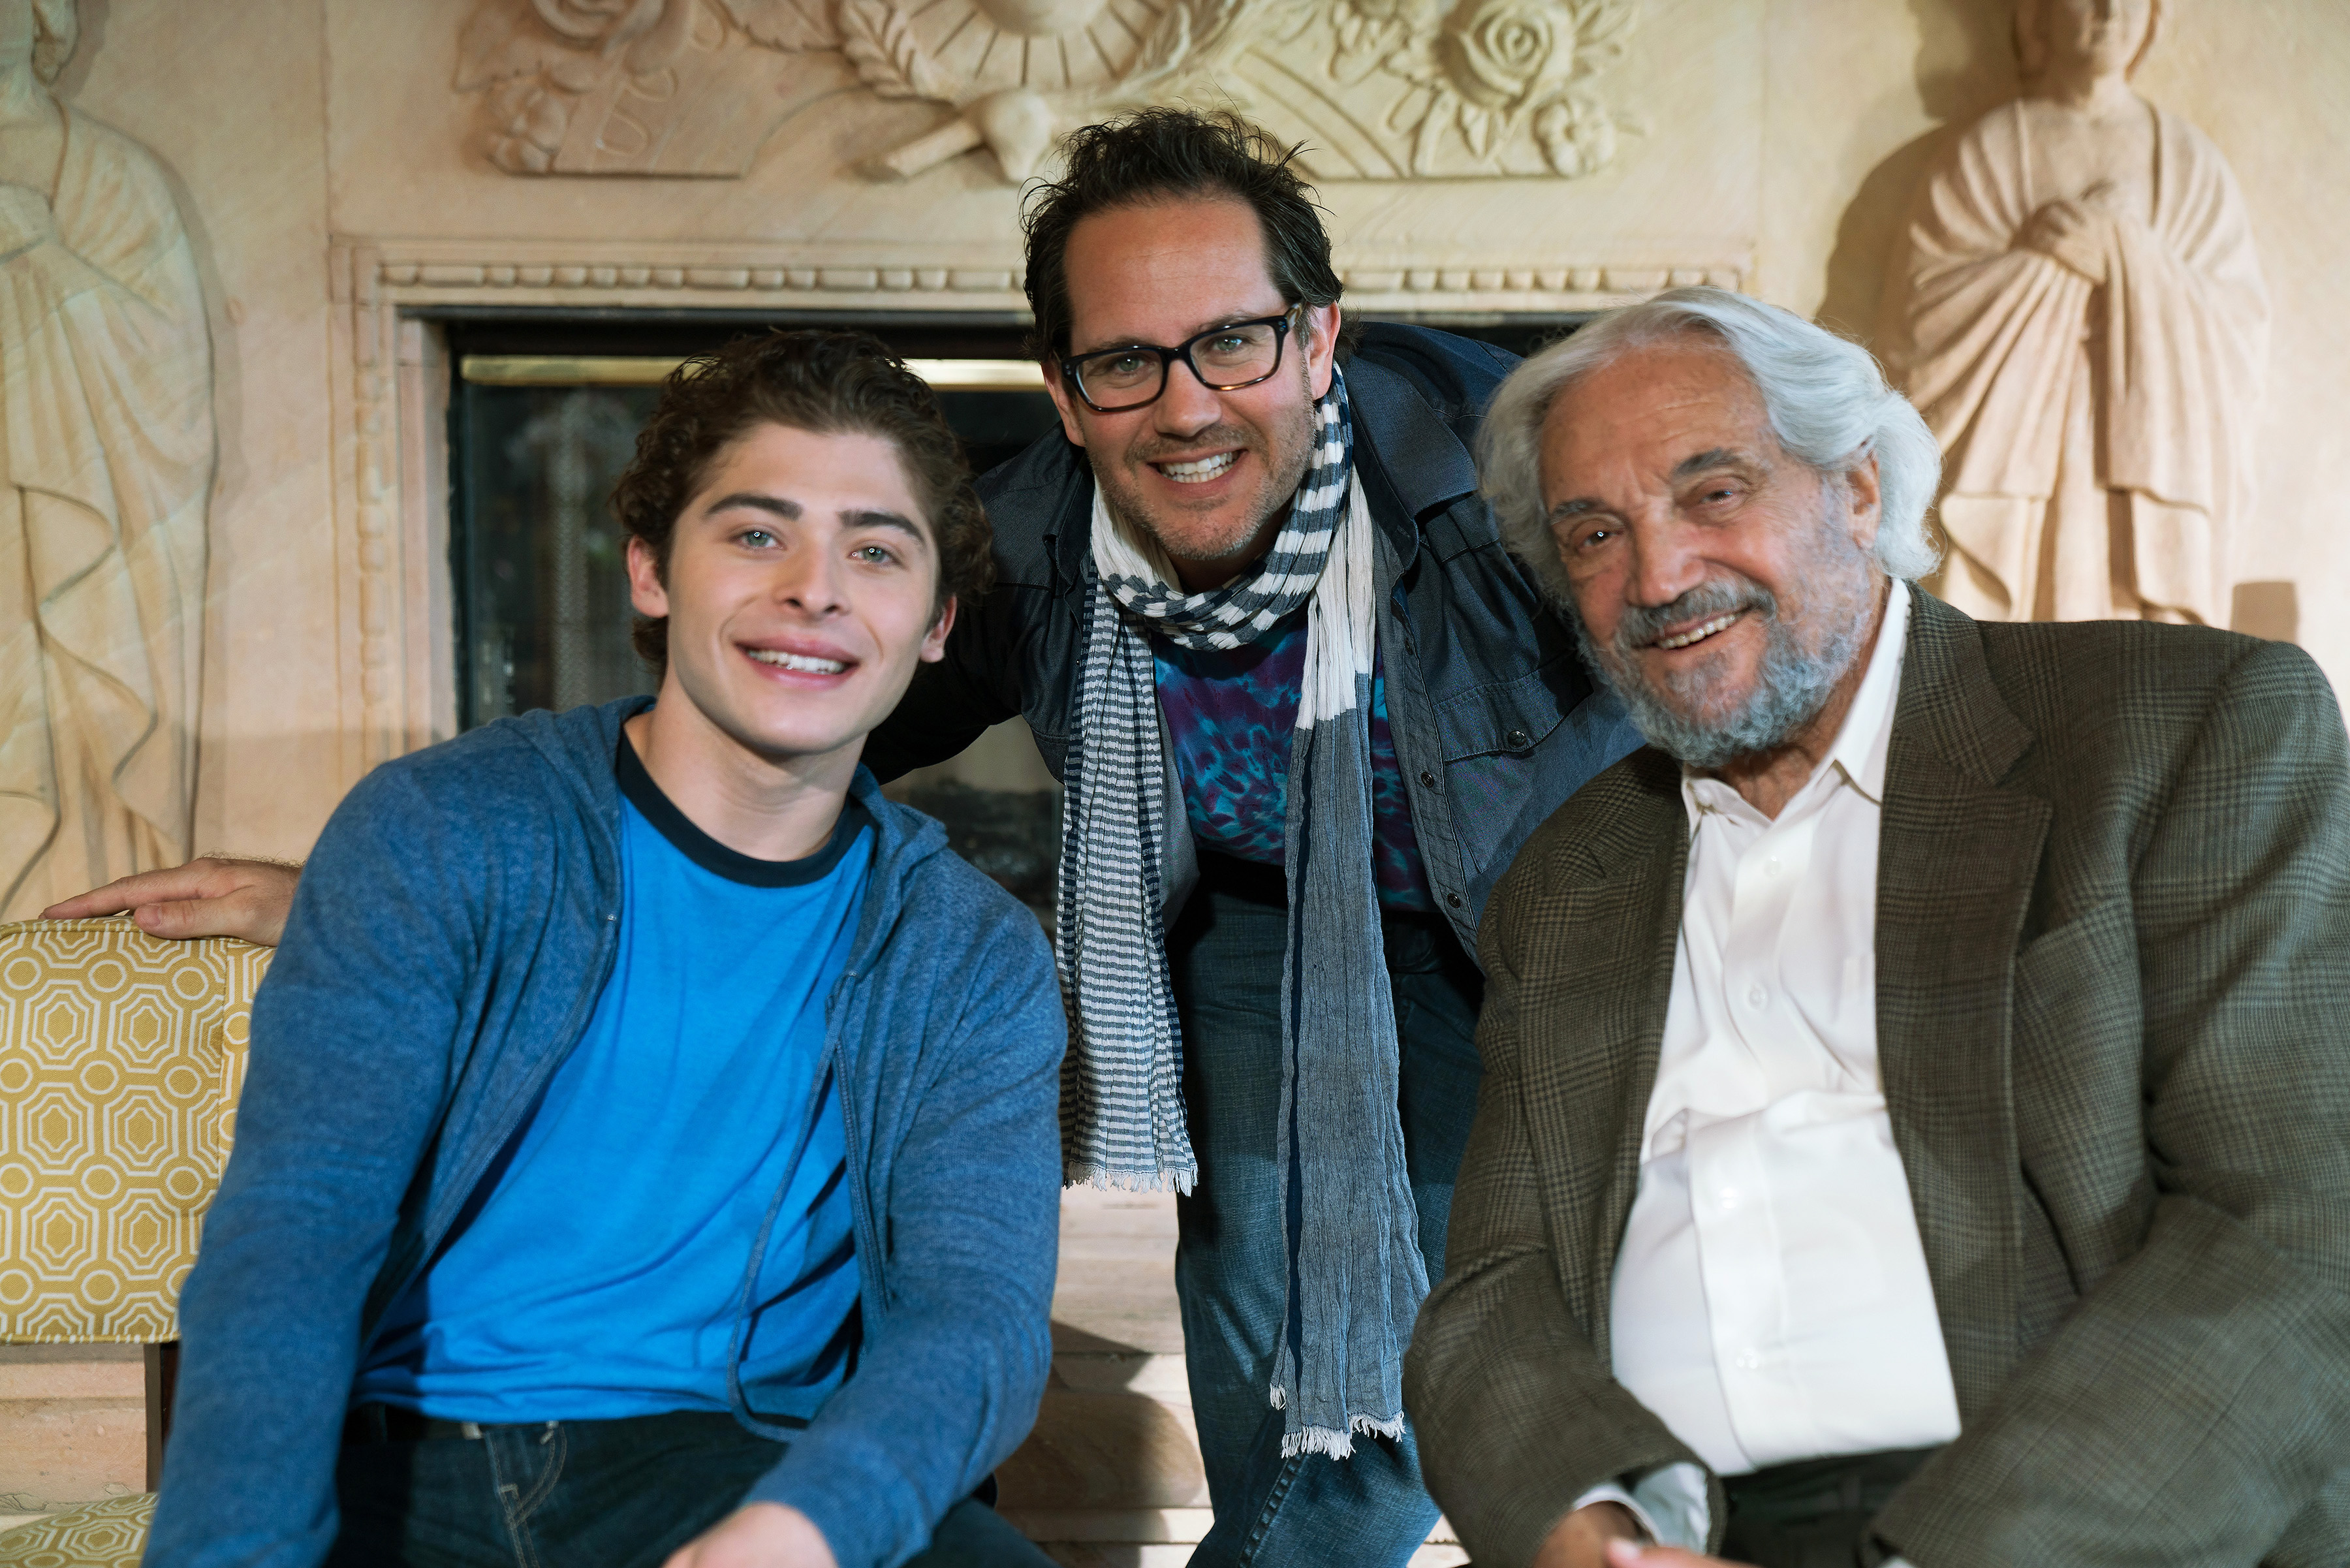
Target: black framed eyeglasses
[{"x": 1224, "y": 359}]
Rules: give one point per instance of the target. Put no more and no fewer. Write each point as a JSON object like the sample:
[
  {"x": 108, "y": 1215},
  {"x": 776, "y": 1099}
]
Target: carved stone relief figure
[
  {"x": 2081, "y": 319},
  {"x": 1400, "y": 87},
  {"x": 106, "y": 465}
]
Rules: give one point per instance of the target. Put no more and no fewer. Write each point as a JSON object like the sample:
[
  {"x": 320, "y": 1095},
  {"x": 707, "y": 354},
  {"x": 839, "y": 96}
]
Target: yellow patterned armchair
[{"x": 121, "y": 1057}]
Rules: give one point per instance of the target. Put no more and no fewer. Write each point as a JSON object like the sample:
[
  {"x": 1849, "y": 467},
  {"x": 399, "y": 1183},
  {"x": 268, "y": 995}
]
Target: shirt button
[
  {"x": 1729, "y": 1196},
  {"x": 1451, "y": 901},
  {"x": 1517, "y": 740},
  {"x": 1771, "y": 867},
  {"x": 1426, "y": 779},
  {"x": 1750, "y": 1360},
  {"x": 1758, "y": 999}
]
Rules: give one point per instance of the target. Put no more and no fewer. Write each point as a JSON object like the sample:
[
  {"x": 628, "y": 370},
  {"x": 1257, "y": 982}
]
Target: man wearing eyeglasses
[{"x": 1305, "y": 709}]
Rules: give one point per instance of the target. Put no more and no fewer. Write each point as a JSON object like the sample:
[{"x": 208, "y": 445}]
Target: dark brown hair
[
  {"x": 1152, "y": 155},
  {"x": 828, "y": 383}
]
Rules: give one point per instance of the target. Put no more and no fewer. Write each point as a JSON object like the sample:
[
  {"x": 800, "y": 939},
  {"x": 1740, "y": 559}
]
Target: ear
[
  {"x": 934, "y": 641},
  {"x": 646, "y": 592},
  {"x": 1320, "y": 326},
  {"x": 1864, "y": 502},
  {"x": 1064, "y": 399}
]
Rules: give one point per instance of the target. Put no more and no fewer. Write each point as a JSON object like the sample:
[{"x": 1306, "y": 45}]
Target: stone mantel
[{"x": 423, "y": 273}]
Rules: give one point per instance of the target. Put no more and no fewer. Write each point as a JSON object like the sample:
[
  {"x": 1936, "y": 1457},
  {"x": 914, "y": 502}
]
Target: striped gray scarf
[{"x": 1355, "y": 1257}]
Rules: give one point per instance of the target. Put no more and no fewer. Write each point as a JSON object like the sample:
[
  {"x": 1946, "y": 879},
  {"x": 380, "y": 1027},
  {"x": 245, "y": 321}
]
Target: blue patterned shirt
[{"x": 1231, "y": 714}]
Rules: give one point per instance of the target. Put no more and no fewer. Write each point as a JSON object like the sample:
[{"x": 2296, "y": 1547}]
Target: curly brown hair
[
  {"x": 828, "y": 383},
  {"x": 1153, "y": 154}
]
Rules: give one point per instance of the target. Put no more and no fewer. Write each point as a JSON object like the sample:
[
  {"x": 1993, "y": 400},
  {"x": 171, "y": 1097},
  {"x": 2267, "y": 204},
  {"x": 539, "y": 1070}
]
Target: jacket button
[
  {"x": 1517, "y": 740},
  {"x": 1426, "y": 779},
  {"x": 1451, "y": 901}
]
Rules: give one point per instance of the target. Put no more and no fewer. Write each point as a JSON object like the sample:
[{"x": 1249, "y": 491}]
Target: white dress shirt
[{"x": 1771, "y": 1301}]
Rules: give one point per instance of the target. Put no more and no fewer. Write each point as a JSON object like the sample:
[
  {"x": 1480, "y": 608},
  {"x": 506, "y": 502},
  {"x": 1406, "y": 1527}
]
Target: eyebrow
[
  {"x": 776, "y": 505},
  {"x": 1225, "y": 319},
  {"x": 876, "y": 519},
  {"x": 1687, "y": 468},
  {"x": 1713, "y": 457},
  {"x": 756, "y": 502}
]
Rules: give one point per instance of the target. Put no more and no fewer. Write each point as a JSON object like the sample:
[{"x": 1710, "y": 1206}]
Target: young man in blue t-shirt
[{"x": 647, "y": 1154}]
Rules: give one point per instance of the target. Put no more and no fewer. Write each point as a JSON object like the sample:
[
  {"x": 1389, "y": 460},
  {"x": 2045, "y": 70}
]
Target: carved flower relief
[
  {"x": 606, "y": 22},
  {"x": 1496, "y": 53},
  {"x": 535, "y": 76},
  {"x": 1490, "y": 68},
  {"x": 1371, "y": 30}
]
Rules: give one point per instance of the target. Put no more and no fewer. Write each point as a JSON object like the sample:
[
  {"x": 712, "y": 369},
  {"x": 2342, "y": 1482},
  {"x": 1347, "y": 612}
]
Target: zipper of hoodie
[
  {"x": 859, "y": 969},
  {"x": 835, "y": 1064},
  {"x": 738, "y": 1340},
  {"x": 852, "y": 1136}
]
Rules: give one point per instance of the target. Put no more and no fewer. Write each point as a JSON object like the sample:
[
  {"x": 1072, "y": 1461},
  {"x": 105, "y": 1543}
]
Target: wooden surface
[
  {"x": 73, "y": 1426},
  {"x": 1111, "y": 1476}
]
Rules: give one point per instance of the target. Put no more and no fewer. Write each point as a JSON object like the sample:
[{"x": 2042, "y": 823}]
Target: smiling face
[
  {"x": 1209, "y": 474},
  {"x": 801, "y": 590},
  {"x": 1724, "y": 588}
]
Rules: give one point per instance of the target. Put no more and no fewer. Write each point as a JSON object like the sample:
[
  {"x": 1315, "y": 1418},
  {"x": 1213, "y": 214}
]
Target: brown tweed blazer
[{"x": 2113, "y": 937}]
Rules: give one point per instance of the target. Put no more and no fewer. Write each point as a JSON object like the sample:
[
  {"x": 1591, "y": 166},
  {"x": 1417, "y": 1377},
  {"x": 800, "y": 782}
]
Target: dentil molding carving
[{"x": 1406, "y": 89}]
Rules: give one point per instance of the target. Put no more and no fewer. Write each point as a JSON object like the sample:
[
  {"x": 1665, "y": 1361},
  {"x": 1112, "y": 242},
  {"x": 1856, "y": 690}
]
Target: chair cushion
[
  {"x": 108, "y": 1534},
  {"x": 121, "y": 1057}
]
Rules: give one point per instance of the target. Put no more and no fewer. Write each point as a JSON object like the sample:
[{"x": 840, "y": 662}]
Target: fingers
[
  {"x": 207, "y": 898},
  {"x": 253, "y": 914},
  {"x": 189, "y": 881},
  {"x": 182, "y": 918}
]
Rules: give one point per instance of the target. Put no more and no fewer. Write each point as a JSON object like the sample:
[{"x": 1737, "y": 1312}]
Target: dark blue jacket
[
  {"x": 447, "y": 948},
  {"x": 1496, "y": 720}
]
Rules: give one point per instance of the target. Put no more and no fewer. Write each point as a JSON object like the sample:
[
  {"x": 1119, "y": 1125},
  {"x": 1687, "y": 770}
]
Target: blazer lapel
[
  {"x": 1592, "y": 1056},
  {"x": 1958, "y": 855}
]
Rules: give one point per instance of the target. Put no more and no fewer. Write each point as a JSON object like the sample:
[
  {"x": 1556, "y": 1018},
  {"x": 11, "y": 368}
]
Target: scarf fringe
[
  {"x": 1336, "y": 1444},
  {"x": 1102, "y": 1179}
]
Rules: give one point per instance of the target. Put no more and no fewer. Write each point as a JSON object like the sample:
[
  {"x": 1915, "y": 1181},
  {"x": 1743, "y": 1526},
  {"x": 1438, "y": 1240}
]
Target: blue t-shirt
[
  {"x": 600, "y": 1274},
  {"x": 1232, "y": 715}
]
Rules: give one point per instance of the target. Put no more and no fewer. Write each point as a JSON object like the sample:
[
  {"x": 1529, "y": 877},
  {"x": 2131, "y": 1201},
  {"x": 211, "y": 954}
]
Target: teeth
[
  {"x": 1205, "y": 469},
  {"x": 1697, "y": 634},
  {"x": 783, "y": 660}
]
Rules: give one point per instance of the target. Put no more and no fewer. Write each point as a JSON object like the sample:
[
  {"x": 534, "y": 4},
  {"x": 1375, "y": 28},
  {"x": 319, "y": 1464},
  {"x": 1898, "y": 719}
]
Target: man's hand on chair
[
  {"x": 763, "y": 1535},
  {"x": 207, "y": 898}
]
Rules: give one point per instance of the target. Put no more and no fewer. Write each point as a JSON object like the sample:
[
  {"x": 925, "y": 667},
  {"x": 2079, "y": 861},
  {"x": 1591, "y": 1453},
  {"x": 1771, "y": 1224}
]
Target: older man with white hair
[{"x": 1916, "y": 1122}]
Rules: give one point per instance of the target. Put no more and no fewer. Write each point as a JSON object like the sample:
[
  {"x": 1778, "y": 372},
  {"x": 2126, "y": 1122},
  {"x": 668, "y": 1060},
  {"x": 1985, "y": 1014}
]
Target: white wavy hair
[{"x": 1826, "y": 397}]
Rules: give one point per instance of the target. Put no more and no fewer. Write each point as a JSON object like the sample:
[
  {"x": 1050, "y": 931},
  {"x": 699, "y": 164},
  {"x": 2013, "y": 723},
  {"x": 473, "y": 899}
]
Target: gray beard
[{"x": 1790, "y": 689}]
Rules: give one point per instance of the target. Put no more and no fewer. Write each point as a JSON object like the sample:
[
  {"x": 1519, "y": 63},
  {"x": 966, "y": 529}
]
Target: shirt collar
[{"x": 1862, "y": 745}]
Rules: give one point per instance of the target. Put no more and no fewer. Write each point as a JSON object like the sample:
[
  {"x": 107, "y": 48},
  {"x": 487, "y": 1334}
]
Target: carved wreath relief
[{"x": 1383, "y": 88}]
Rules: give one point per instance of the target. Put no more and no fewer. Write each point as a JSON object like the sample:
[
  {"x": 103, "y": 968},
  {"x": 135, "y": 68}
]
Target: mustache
[
  {"x": 1215, "y": 437},
  {"x": 1641, "y": 625}
]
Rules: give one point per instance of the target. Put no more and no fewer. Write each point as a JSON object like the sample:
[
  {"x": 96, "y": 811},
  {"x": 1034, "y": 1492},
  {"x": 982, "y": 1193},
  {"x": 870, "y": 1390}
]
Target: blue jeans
[
  {"x": 1231, "y": 1265},
  {"x": 611, "y": 1494}
]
